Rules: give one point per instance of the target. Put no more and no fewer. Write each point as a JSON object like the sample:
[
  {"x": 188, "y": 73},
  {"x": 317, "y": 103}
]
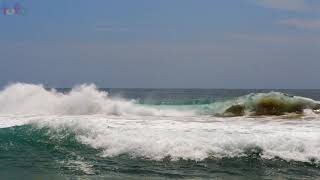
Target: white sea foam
[
  {"x": 81, "y": 100},
  {"x": 195, "y": 138},
  {"x": 122, "y": 127}
]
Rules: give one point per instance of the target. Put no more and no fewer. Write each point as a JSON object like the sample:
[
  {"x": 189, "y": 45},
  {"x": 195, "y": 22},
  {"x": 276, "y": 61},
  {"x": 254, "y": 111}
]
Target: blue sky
[{"x": 163, "y": 43}]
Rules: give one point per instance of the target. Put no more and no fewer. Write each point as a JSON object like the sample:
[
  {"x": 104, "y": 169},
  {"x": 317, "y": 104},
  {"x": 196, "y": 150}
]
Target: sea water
[{"x": 91, "y": 133}]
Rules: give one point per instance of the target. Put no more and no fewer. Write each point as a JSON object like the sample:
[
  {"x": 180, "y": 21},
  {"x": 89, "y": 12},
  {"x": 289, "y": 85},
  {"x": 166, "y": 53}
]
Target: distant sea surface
[{"x": 91, "y": 133}]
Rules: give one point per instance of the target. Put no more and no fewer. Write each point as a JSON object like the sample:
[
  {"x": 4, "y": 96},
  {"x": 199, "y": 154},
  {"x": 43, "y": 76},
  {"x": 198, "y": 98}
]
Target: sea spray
[
  {"x": 84, "y": 99},
  {"x": 79, "y": 133}
]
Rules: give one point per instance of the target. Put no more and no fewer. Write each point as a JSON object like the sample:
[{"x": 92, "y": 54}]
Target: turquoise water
[
  {"x": 159, "y": 135},
  {"x": 28, "y": 153}
]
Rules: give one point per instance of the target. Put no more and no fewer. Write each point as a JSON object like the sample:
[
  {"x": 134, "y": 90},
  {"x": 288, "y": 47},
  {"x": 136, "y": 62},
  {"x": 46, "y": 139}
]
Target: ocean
[{"x": 91, "y": 133}]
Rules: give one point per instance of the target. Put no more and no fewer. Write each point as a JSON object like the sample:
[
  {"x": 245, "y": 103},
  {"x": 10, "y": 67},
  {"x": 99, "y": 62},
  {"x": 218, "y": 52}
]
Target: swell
[
  {"x": 27, "y": 138},
  {"x": 65, "y": 143},
  {"x": 44, "y": 150},
  {"x": 53, "y": 152},
  {"x": 181, "y": 137}
]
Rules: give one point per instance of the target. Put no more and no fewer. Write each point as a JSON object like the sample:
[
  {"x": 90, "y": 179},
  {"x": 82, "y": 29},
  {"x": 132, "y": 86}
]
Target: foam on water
[
  {"x": 81, "y": 100},
  {"x": 193, "y": 138},
  {"x": 119, "y": 127}
]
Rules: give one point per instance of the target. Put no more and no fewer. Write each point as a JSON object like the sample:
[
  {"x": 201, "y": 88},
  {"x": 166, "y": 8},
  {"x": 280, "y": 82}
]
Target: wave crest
[
  {"x": 84, "y": 99},
  {"x": 273, "y": 103}
]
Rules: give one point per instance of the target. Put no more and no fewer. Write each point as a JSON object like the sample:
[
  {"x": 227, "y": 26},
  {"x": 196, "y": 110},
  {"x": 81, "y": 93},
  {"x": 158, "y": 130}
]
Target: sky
[{"x": 162, "y": 43}]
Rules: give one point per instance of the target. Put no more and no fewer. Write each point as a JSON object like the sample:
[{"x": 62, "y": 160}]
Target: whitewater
[{"x": 116, "y": 126}]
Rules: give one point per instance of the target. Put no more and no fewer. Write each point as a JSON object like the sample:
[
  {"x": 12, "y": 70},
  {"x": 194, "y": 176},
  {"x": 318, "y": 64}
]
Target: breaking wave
[
  {"x": 175, "y": 139},
  {"x": 116, "y": 127},
  {"x": 86, "y": 99},
  {"x": 81, "y": 100},
  {"x": 265, "y": 104}
]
